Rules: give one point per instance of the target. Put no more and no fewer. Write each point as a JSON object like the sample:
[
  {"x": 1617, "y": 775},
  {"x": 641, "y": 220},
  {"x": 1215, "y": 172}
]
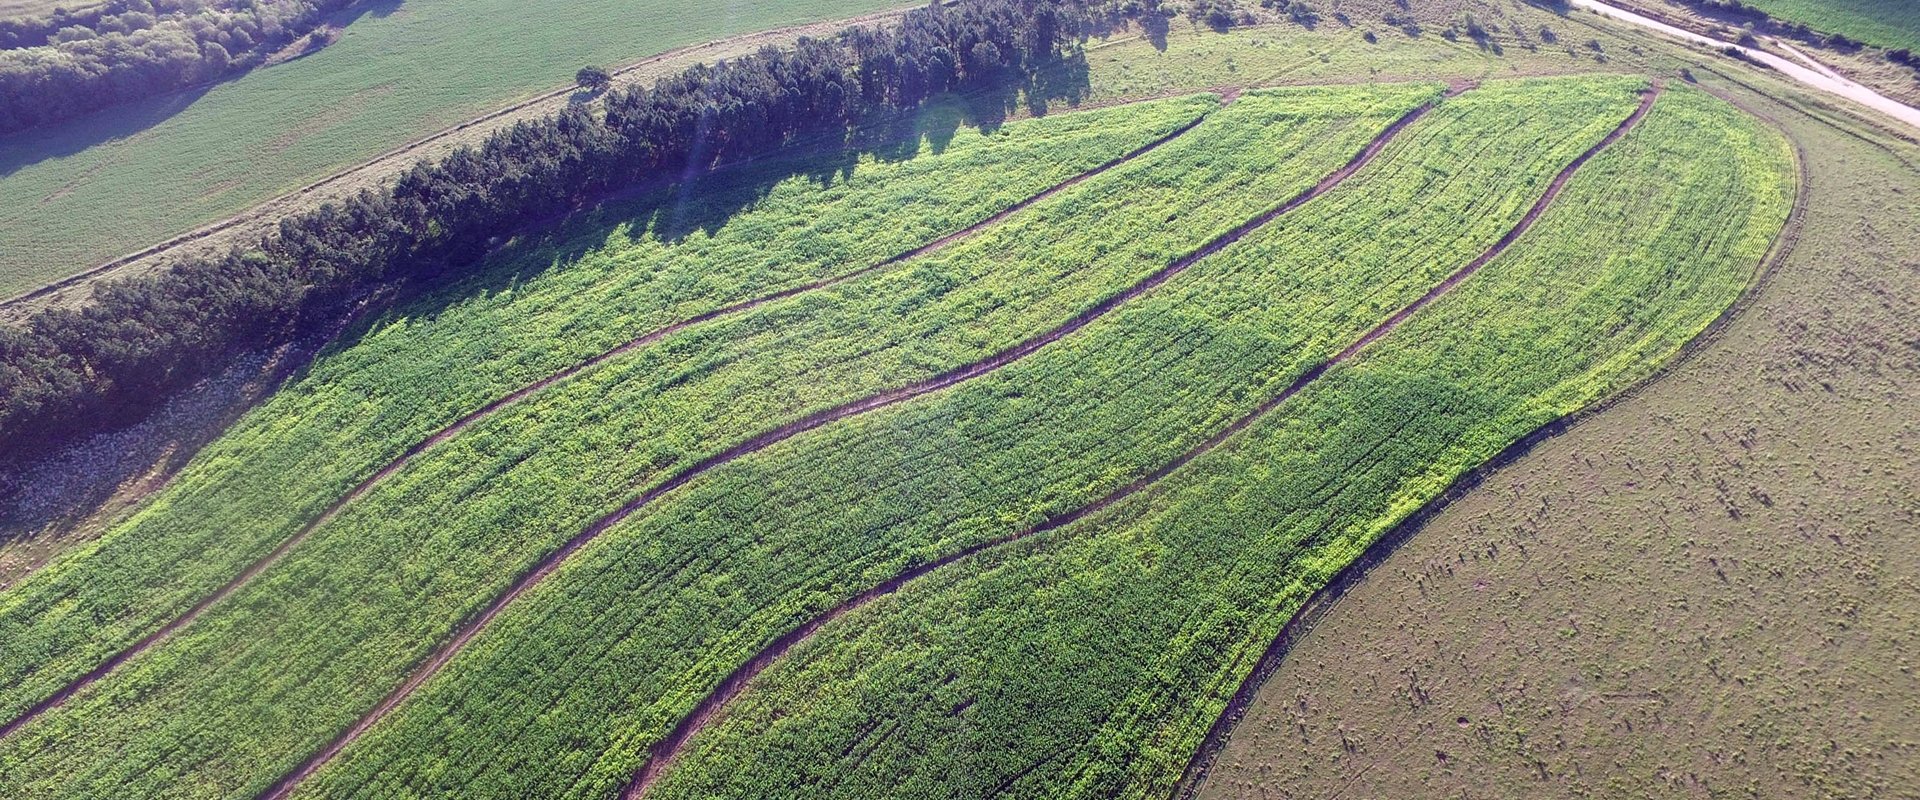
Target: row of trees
[
  {"x": 65, "y": 65},
  {"x": 69, "y": 372}
]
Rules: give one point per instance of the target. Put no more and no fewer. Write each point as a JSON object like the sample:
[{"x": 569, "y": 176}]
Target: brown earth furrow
[
  {"x": 359, "y": 490},
  {"x": 552, "y": 561},
  {"x": 668, "y": 748}
]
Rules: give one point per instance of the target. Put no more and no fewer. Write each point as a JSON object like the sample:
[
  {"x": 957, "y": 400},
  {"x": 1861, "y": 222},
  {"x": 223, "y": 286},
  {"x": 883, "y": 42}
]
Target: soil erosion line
[
  {"x": 663, "y": 753},
  {"x": 552, "y": 561},
  {"x": 528, "y": 390}
]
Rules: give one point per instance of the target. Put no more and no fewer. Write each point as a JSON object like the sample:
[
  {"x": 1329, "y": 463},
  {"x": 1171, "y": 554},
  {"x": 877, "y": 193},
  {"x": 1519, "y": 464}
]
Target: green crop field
[
  {"x": 1089, "y": 663},
  {"x": 345, "y": 615},
  {"x": 558, "y": 302},
  {"x": 80, "y": 193},
  {"x": 1012, "y": 461},
  {"x": 1053, "y": 432},
  {"x": 1884, "y": 23}
]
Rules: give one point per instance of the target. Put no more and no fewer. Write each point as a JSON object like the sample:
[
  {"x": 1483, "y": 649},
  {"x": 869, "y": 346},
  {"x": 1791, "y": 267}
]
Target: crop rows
[
  {"x": 567, "y": 692},
  {"x": 235, "y": 699},
  {"x": 544, "y": 306},
  {"x": 1089, "y": 662}
]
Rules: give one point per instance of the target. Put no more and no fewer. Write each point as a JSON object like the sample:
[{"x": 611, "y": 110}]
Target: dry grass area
[
  {"x": 1710, "y": 590},
  {"x": 10, "y": 9}
]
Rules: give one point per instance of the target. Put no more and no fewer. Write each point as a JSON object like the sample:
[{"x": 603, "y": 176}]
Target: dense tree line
[
  {"x": 71, "y": 371},
  {"x": 65, "y": 64}
]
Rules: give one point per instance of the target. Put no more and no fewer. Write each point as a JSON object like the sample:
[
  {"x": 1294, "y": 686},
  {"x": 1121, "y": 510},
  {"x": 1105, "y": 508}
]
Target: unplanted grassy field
[
  {"x": 1883, "y": 23},
  {"x": 80, "y": 193},
  {"x": 542, "y": 308}
]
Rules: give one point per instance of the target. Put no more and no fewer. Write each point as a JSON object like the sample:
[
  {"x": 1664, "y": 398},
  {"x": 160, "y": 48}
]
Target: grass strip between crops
[
  {"x": 530, "y": 389},
  {"x": 715, "y": 702},
  {"x": 818, "y": 419},
  {"x": 1147, "y": 614}
]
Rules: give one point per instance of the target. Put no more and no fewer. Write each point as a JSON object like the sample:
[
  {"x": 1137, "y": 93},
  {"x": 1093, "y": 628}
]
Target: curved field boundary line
[
  {"x": 709, "y": 707},
  {"x": 359, "y": 490},
  {"x": 264, "y": 207},
  {"x": 874, "y": 402},
  {"x": 1322, "y": 602}
]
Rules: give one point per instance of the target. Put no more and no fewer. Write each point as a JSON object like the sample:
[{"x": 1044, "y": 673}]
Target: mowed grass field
[
  {"x": 81, "y": 193},
  {"x": 534, "y": 605},
  {"x": 1882, "y": 23}
]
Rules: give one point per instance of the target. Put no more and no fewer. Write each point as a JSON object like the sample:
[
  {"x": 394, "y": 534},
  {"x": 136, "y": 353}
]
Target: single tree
[{"x": 593, "y": 79}]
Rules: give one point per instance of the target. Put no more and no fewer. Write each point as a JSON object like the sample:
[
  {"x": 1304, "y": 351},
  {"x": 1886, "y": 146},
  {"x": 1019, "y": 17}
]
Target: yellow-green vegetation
[
  {"x": 79, "y": 193},
  {"x": 543, "y": 306},
  {"x": 565, "y": 695},
  {"x": 1090, "y": 661},
  {"x": 240, "y": 697}
]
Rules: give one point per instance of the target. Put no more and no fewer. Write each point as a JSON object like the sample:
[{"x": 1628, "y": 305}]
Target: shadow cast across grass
[
  {"x": 148, "y": 450},
  {"x": 706, "y": 201}
]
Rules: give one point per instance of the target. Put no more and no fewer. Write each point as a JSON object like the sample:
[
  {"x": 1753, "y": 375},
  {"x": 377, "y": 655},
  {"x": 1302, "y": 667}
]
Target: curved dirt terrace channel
[
  {"x": 664, "y": 753},
  {"x": 340, "y": 185},
  {"x": 522, "y": 393},
  {"x": 552, "y": 561}
]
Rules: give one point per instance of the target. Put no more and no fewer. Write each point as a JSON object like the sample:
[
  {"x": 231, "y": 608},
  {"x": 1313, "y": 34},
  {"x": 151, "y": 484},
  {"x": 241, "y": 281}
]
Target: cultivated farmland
[
  {"x": 974, "y": 463},
  {"x": 1025, "y": 444},
  {"x": 546, "y": 469},
  {"x": 1152, "y": 608},
  {"x": 544, "y": 308}
]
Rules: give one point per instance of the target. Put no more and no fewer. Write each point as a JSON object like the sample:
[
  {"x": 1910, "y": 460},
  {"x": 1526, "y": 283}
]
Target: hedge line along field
[
  {"x": 237, "y": 699},
  {"x": 1090, "y": 663},
  {"x": 77, "y": 194},
  {"x": 543, "y": 306},
  {"x": 565, "y": 695}
]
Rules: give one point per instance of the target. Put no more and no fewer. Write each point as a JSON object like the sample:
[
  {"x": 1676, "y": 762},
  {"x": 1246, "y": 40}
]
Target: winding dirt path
[
  {"x": 668, "y": 749},
  {"x": 552, "y": 561},
  {"x": 359, "y": 490}
]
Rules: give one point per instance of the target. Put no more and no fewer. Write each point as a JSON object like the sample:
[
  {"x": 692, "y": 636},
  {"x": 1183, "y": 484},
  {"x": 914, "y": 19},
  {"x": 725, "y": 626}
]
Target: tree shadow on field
[
  {"x": 22, "y": 149},
  {"x": 128, "y": 462},
  {"x": 706, "y": 202}
]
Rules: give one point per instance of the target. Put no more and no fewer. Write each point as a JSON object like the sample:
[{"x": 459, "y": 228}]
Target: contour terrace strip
[
  {"x": 870, "y": 403},
  {"x": 666, "y": 750},
  {"x": 522, "y": 393}
]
